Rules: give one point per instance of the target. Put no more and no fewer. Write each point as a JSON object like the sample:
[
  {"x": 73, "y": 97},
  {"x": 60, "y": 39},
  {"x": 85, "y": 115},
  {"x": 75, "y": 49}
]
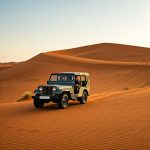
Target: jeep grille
[{"x": 47, "y": 90}]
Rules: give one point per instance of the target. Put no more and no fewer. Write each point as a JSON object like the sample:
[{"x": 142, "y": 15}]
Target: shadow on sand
[{"x": 47, "y": 107}]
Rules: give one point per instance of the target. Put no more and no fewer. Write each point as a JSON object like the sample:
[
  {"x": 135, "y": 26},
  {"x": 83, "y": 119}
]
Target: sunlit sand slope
[{"x": 108, "y": 121}]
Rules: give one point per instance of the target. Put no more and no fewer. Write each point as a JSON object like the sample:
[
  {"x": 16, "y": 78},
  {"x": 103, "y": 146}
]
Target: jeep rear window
[{"x": 62, "y": 77}]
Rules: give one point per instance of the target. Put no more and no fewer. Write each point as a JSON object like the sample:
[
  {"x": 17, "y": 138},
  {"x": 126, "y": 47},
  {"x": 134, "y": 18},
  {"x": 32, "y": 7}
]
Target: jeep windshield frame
[{"x": 62, "y": 78}]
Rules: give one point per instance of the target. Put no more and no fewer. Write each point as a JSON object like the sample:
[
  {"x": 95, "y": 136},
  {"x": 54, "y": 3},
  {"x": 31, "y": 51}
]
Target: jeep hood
[{"x": 61, "y": 86}]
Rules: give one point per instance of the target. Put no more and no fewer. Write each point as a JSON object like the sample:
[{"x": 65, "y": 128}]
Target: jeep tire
[
  {"x": 63, "y": 101},
  {"x": 38, "y": 103},
  {"x": 83, "y": 99}
]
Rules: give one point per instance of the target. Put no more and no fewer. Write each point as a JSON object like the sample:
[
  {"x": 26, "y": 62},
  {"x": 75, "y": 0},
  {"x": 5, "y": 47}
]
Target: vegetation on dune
[{"x": 26, "y": 96}]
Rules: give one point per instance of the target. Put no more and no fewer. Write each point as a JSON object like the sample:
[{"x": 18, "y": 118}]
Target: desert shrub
[{"x": 26, "y": 96}]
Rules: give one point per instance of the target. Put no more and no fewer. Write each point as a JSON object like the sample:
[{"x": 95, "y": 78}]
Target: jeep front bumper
[{"x": 46, "y": 97}]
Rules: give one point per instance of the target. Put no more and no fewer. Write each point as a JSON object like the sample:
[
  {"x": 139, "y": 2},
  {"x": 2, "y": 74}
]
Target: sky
[{"x": 29, "y": 27}]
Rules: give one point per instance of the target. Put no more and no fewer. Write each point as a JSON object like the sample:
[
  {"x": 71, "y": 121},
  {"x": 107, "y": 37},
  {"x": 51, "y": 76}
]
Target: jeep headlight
[
  {"x": 54, "y": 88},
  {"x": 40, "y": 88}
]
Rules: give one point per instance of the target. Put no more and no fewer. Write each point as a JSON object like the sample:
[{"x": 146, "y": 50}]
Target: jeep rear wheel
[
  {"x": 63, "y": 102},
  {"x": 83, "y": 99},
  {"x": 38, "y": 103}
]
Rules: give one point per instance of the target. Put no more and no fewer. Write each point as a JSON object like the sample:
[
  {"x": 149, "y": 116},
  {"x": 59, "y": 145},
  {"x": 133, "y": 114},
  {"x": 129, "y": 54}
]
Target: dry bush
[{"x": 26, "y": 96}]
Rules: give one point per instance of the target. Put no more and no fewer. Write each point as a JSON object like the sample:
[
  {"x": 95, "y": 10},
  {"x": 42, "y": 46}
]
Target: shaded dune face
[{"x": 117, "y": 115}]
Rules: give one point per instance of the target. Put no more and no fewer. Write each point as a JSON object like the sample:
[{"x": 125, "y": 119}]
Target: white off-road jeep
[{"x": 62, "y": 87}]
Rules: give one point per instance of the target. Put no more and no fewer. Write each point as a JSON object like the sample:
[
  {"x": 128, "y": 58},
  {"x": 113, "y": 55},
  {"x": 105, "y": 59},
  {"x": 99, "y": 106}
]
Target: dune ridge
[{"x": 109, "y": 52}]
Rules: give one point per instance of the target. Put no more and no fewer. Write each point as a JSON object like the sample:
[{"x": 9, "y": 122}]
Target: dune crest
[{"x": 109, "y": 52}]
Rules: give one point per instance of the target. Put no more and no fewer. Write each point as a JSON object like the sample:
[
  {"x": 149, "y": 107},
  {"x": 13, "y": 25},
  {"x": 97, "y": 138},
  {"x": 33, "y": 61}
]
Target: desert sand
[{"x": 117, "y": 115}]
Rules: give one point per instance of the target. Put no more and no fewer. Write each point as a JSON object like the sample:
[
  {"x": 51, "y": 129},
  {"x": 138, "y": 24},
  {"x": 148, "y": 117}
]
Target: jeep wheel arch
[{"x": 86, "y": 91}]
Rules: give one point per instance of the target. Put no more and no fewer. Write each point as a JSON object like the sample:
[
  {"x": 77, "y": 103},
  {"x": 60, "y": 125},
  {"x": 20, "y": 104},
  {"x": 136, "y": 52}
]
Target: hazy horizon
[{"x": 29, "y": 27}]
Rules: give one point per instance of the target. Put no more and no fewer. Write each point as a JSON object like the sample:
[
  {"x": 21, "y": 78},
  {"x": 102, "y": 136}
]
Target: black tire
[
  {"x": 38, "y": 103},
  {"x": 63, "y": 101},
  {"x": 83, "y": 99}
]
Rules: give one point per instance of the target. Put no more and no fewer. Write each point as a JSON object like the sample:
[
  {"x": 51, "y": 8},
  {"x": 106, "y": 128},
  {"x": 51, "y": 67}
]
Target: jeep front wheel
[
  {"x": 38, "y": 103},
  {"x": 83, "y": 99},
  {"x": 63, "y": 101}
]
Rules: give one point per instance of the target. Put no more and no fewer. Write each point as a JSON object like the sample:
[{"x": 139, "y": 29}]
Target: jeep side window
[{"x": 83, "y": 80}]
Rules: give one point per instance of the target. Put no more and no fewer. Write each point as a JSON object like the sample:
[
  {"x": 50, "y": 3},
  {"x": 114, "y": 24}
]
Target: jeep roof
[{"x": 75, "y": 73}]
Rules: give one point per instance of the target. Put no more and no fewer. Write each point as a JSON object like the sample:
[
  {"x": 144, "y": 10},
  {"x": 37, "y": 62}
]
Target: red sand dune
[{"x": 114, "y": 118}]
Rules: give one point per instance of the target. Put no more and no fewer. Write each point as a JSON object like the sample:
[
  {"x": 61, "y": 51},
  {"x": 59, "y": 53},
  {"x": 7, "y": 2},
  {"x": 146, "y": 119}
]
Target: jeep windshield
[{"x": 61, "y": 78}]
